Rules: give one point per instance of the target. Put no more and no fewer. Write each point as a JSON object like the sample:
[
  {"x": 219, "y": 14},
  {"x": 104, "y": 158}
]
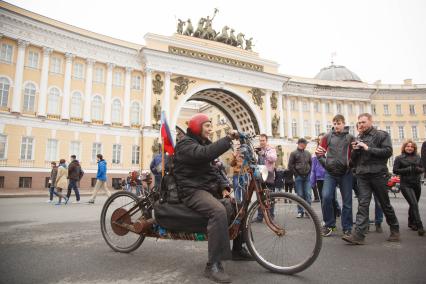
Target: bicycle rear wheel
[
  {"x": 297, "y": 249},
  {"x": 118, "y": 238}
]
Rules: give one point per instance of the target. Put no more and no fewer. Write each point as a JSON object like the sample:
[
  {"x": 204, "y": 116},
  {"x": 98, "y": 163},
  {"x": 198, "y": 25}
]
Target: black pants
[
  {"x": 217, "y": 228},
  {"x": 315, "y": 189},
  {"x": 368, "y": 184},
  {"x": 288, "y": 187},
  {"x": 411, "y": 192},
  {"x": 72, "y": 185}
]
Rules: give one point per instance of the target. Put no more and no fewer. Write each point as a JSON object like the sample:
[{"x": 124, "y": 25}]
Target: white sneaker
[
  {"x": 76, "y": 202},
  {"x": 49, "y": 201},
  {"x": 299, "y": 215}
]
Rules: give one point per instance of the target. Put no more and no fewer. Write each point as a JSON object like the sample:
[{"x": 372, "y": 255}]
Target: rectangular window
[
  {"x": 316, "y": 107},
  {"x": 292, "y": 105},
  {"x": 78, "y": 71},
  {"x": 327, "y": 107},
  {"x": 386, "y": 109},
  {"x": 401, "y": 132},
  {"x": 118, "y": 79},
  {"x": 3, "y": 141},
  {"x": 136, "y": 82},
  {"x": 116, "y": 154},
  {"x": 412, "y": 110},
  {"x": 2, "y": 182},
  {"x": 25, "y": 182},
  {"x": 135, "y": 154},
  {"x": 305, "y": 106},
  {"x": 96, "y": 149},
  {"x": 27, "y": 148},
  {"x": 99, "y": 75},
  {"x": 33, "y": 59},
  {"x": 52, "y": 150},
  {"x": 398, "y": 110},
  {"x": 414, "y": 131},
  {"x": 75, "y": 148},
  {"x": 6, "y": 53},
  {"x": 389, "y": 131},
  {"x": 55, "y": 65}
]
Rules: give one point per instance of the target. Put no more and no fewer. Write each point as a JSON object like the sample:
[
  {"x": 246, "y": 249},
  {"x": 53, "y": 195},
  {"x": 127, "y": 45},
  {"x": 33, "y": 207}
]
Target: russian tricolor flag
[{"x": 166, "y": 136}]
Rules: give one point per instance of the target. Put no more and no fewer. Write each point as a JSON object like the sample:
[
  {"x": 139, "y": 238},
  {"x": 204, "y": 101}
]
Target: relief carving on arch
[
  {"x": 182, "y": 85},
  {"x": 257, "y": 95},
  {"x": 157, "y": 85}
]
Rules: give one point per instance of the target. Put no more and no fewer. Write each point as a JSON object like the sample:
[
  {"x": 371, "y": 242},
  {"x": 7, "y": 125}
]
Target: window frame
[
  {"x": 27, "y": 148},
  {"x": 116, "y": 154},
  {"x": 4, "y": 93},
  {"x": 33, "y": 59},
  {"x": 5, "y": 53}
]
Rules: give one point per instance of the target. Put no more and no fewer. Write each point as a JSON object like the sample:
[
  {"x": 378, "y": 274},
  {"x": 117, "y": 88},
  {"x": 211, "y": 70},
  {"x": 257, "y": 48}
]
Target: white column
[
  {"x": 19, "y": 74},
  {"x": 281, "y": 113},
  {"x": 323, "y": 117},
  {"x": 289, "y": 118},
  {"x": 357, "y": 110},
  {"x": 166, "y": 99},
  {"x": 301, "y": 123},
  {"x": 346, "y": 111},
  {"x": 67, "y": 86},
  {"x": 126, "y": 112},
  {"x": 334, "y": 108},
  {"x": 107, "y": 111},
  {"x": 312, "y": 117},
  {"x": 88, "y": 91},
  {"x": 147, "y": 98},
  {"x": 41, "y": 110},
  {"x": 268, "y": 111}
]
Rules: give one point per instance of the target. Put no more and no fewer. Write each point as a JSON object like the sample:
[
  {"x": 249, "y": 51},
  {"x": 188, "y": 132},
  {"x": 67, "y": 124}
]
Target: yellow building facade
[{"x": 65, "y": 90}]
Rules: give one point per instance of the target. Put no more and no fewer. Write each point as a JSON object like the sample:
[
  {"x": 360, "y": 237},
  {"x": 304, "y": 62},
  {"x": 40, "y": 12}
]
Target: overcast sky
[{"x": 375, "y": 39}]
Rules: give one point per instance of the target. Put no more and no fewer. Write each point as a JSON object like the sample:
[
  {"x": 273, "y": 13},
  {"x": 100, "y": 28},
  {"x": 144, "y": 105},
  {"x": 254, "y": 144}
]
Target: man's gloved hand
[{"x": 233, "y": 134}]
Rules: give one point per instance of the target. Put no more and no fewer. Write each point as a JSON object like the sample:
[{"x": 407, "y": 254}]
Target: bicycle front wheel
[
  {"x": 118, "y": 238},
  {"x": 292, "y": 252}
]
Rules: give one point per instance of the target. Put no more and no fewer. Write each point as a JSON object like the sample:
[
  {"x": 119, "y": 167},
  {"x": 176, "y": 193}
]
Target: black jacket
[
  {"x": 423, "y": 154},
  {"x": 288, "y": 176},
  {"x": 279, "y": 178},
  {"x": 74, "y": 170},
  {"x": 372, "y": 161},
  {"x": 300, "y": 162},
  {"x": 193, "y": 167},
  {"x": 408, "y": 167}
]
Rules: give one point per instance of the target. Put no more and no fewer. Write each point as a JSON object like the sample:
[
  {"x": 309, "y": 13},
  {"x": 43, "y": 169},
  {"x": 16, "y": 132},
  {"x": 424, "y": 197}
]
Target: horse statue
[
  {"x": 240, "y": 40},
  {"x": 200, "y": 28},
  {"x": 189, "y": 28},
  {"x": 232, "y": 39},
  {"x": 249, "y": 44},
  {"x": 208, "y": 31},
  {"x": 180, "y": 26},
  {"x": 223, "y": 36}
]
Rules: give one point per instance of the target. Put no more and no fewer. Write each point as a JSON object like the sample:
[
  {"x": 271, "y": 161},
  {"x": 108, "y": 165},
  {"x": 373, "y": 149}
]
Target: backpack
[{"x": 169, "y": 191}]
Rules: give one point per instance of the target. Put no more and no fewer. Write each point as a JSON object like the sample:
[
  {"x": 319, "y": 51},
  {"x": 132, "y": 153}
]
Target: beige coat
[{"x": 61, "y": 178}]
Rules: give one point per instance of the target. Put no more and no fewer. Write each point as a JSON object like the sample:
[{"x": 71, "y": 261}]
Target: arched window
[
  {"x": 135, "y": 113},
  {"x": 76, "y": 105},
  {"x": 29, "y": 97},
  {"x": 4, "y": 91},
  {"x": 53, "y": 101},
  {"x": 97, "y": 108},
  {"x": 294, "y": 127},
  {"x": 116, "y": 111}
]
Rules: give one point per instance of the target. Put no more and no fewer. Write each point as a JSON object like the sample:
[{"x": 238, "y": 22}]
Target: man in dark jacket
[
  {"x": 370, "y": 154},
  {"x": 334, "y": 154},
  {"x": 300, "y": 164},
  {"x": 75, "y": 173},
  {"x": 423, "y": 157},
  {"x": 198, "y": 184}
]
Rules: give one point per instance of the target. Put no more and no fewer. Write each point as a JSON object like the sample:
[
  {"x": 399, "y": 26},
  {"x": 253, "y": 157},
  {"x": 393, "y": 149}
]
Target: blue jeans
[
  {"x": 328, "y": 195},
  {"x": 378, "y": 213},
  {"x": 238, "y": 183},
  {"x": 52, "y": 192},
  {"x": 73, "y": 185},
  {"x": 303, "y": 190}
]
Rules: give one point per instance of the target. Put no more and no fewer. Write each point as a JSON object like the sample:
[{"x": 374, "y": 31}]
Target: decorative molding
[
  {"x": 182, "y": 85},
  {"x": 214, "y": 58},
  {"x": 157, "y": 85}
]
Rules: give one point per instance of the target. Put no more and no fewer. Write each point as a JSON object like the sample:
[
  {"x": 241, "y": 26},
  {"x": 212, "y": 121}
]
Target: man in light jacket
[{"x": 101, "y": 179}]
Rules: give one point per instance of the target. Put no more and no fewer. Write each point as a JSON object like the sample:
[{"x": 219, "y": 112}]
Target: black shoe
[
  {"x": 242, "y": 254},
  {"x": 215, "y": 272},
  {"x": 421, "y": 231},
  {"x": 379, "y": 228}
]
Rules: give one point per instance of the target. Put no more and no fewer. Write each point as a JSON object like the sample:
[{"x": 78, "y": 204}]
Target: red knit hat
[{"x": 196, "y": 122}]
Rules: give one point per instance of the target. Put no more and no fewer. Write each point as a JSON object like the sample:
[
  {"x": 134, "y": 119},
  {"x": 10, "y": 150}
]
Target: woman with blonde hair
[
  {"x": 409, "y": 167},
  {"x": 61, "y": 181}
]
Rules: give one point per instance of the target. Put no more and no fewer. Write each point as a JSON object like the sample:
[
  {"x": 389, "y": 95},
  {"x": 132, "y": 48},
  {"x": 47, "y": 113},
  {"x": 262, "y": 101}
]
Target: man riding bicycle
[{"x": 200, "y": 188}]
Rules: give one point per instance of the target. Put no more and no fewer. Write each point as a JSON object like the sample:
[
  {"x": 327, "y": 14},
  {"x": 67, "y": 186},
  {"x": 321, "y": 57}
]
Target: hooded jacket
[
  {"x": 102, "y": 169},
  {"x": 74, "y": 170},
  {"x": 193, "y": 163}
]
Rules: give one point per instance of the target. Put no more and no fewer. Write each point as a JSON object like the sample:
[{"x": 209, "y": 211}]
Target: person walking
[
  {"x": 101, "y": 179},
  {"x": 300, "y": 164},
  {"x": 75, "y": 173},
  {"x": 409, "y": 167},
  {"x": 334, "y": 154},
  {"x": 267, "y": 156},
  {"x": 52, "y": 182},
  {"x": 61, "y": 181},
  {"x": 370, "y": 154}
]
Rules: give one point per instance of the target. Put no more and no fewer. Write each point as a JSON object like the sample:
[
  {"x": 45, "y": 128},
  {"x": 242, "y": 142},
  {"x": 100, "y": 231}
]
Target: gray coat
[{"x": 53, "y": 174}]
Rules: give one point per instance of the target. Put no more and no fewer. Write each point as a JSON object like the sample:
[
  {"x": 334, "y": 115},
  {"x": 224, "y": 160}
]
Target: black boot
[
  {"x": 242, "y": 254},
  {"x": 215, "y": 272}
]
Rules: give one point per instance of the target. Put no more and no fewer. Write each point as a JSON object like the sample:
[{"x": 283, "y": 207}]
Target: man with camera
[{"x": 370, "y": 154}]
